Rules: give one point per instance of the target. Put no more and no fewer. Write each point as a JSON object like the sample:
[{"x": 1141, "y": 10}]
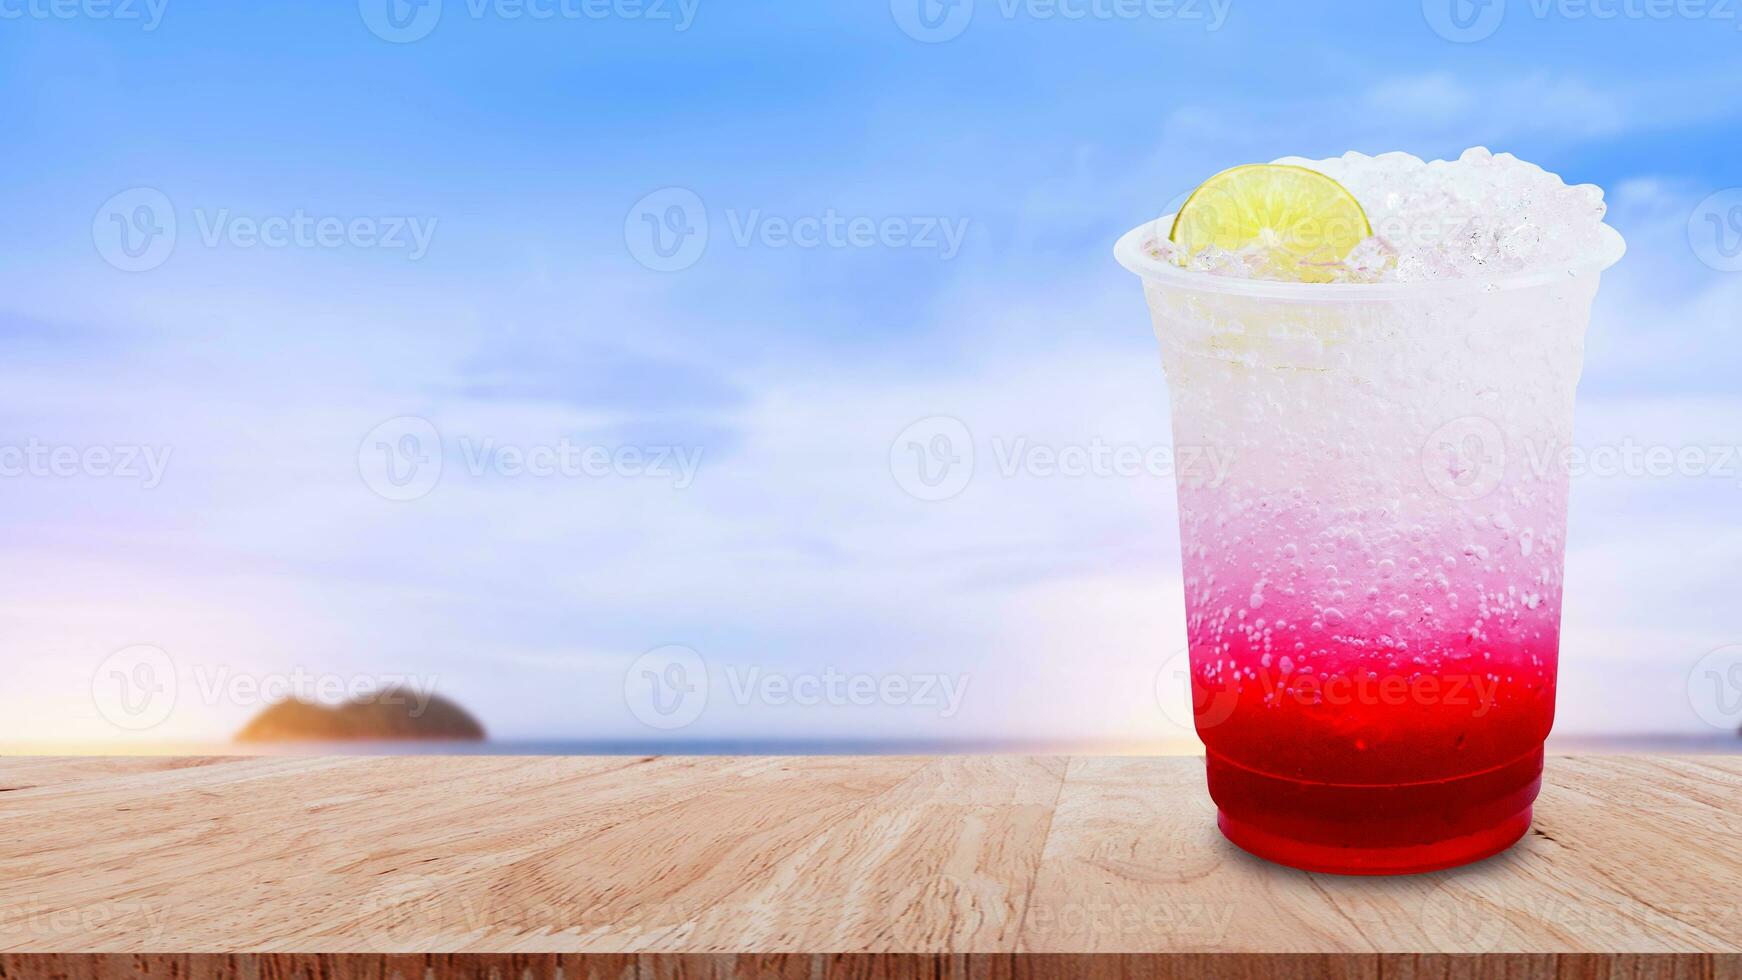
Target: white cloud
[{"x": 796, "y": 545}]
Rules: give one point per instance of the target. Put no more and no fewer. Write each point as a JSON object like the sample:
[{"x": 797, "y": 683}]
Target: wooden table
[{"x": 959, "y": 860}]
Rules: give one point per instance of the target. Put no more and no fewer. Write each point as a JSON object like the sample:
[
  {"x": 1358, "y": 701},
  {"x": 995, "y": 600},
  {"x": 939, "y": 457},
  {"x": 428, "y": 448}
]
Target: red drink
[
  {"x": 1373, "y": 569},
  {"x": 1350, "y": 756}
]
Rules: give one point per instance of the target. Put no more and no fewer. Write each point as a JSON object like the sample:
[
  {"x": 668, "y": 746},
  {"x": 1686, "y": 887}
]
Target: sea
[{"x": 1716, "y": 743}]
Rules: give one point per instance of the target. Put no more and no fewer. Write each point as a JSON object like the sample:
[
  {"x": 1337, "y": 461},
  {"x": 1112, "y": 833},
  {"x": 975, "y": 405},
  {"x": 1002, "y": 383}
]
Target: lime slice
[{"x": 1300, "y": 222}]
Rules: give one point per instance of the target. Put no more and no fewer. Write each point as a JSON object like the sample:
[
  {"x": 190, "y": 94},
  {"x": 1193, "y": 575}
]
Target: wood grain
[
  {"x": 871, "y": 966},
  {"x": 1627, "y": 854},
  {"x": 667, "y": 866}
]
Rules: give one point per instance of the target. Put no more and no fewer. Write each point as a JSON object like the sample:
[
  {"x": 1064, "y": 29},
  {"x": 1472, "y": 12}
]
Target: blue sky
[{"x": 526, "y": 148}]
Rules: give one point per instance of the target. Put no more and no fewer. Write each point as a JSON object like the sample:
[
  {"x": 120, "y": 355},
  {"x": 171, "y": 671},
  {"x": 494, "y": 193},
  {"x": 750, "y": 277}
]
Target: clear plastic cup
[{"x": 1373, "y": 571}]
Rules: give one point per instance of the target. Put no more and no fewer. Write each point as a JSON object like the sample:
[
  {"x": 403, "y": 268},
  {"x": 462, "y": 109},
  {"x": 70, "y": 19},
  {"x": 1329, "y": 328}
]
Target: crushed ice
[{"x": 1483, "y": 214}]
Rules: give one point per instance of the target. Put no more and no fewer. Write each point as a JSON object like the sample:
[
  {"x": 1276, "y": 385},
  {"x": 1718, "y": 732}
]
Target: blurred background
[{"x": 732, "y": 376}]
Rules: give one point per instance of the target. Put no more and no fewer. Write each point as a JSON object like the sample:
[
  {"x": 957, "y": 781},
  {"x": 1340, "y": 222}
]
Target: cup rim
[{"x": 1130, "y": 253}]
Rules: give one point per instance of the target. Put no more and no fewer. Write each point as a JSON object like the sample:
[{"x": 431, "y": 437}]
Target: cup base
[
  {"x": 1370, "y": 829},
  {"x": 1400, "y": 860}
]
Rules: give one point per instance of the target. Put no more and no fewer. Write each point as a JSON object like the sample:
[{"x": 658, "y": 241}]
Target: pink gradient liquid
[
  {"x": 1399, "y": 729},
  {"x": 1373, "y": 575}
]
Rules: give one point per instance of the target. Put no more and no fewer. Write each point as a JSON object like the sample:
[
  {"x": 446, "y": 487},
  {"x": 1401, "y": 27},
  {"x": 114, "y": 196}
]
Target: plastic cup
[{"x": 1373, "y": 568}]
